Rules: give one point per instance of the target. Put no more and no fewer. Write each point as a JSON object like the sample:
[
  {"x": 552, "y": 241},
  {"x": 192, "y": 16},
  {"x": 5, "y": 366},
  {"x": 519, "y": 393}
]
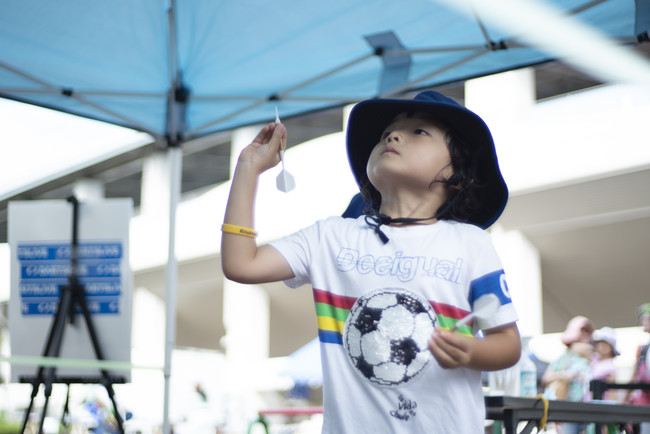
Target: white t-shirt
[{"x": 377, "y": 305}]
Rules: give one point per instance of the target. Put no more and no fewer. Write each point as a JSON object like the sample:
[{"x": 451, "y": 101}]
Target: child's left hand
[
  {"x": 450, "y": 349},
  {"x": 499, "y": 348}
]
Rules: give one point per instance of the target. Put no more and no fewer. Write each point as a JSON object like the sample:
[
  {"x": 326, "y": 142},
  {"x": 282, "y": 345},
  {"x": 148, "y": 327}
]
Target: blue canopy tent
[
  {"x": 183, "y": 69},
  {"x": 179, "y": 70}
]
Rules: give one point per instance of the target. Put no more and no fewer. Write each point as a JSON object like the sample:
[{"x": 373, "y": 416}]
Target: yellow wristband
[{"x": 238, "y": 230}]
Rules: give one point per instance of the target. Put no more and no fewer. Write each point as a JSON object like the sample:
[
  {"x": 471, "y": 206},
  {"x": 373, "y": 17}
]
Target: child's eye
[{"x": 420, "y": 131}]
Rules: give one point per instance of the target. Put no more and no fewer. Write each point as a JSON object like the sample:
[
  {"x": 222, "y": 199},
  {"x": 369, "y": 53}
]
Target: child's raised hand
[
  {"x": 450, "y": 349},
  {"x": 263, "y": 152}
]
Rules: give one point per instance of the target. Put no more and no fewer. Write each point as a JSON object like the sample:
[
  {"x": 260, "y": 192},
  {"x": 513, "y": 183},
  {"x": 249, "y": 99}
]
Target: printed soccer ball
[{"x": 386, "y": 336}]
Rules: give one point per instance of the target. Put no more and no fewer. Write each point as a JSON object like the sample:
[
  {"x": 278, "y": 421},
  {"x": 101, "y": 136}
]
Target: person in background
[
  {"x": 567, "y": 378},
  {"x": 602, "y": 366},
  {"x": 642, "y": 367}
]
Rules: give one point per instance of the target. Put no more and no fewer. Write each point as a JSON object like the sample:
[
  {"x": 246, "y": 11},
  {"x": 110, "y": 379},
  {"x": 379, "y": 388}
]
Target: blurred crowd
[{"x": 590, "y": 355}]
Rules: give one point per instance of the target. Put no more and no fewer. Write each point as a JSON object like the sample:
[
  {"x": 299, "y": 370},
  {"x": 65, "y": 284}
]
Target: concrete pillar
[
  {"x": 246, "y": 319},
  {"x": 246, "y": 343},
  {"x": 241, "y": 138},
  {"x": 155, "y": 192},
  {"x": 148, "y": 349},
  {"x": 505, "y": 102},
  {"x": 155, "y": 196},
  {"x": 245, "y": 307},
  {"x": 522, "y": 265},
  {"x": 161, "y": 186},
  {"x": 502, "y": 100}
]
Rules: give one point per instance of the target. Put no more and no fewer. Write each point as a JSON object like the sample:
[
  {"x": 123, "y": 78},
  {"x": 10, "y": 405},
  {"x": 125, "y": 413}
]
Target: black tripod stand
[{"x": 72, "y": 296}]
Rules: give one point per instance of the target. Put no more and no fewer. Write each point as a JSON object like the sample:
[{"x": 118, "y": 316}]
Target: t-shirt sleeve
[
  {"x": 296, "y": 250},
  {"x": 491, "y": 279}
]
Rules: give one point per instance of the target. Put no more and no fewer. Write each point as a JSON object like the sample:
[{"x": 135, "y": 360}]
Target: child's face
[
  {"x": 585, "y": 334},
  {"x": 603, "y": 349},
  {"x": 412, "y": 153}
]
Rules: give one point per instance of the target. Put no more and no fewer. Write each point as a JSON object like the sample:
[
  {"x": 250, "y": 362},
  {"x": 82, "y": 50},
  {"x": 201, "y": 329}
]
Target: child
[
  {"x": 642, "y": 365},
  {"x": 388, "y": 285},
  {"x": 567, "y": 378},
  {"x": 602, "y": 365}
]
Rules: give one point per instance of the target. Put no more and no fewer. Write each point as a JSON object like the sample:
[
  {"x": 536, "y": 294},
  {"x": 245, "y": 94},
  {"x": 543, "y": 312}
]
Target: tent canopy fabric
[{"x": 184, "y": 69}]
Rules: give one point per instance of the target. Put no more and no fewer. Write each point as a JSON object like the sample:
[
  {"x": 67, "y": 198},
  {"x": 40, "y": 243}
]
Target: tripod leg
[
  {"x": 65, "y": 305},
  {"x": 45, "y": 375},
  {"x": 66, "y": 409},
  {"x": 35, "y": 387},
  {"x": 80, "y": 298},
  {"x": 111, "y": 394},
  {"x": 43, "y": 414}
]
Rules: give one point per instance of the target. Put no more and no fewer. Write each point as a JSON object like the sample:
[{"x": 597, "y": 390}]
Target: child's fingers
[
  {"x": 265, "y": 134},
  {"x": 444, "y": 359},
  {"x": 264, "y": 150},
  {"x": 273, "y": 135},
  {"x": 441, "y": 341},
  {"x": 450, "y": 349}
]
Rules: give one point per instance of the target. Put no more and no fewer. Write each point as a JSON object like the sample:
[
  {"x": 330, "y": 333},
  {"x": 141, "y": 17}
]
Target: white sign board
[{"x": 40, "y": 238}]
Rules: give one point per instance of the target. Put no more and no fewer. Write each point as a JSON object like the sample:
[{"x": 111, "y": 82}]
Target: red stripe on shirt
[
  {"x": 339, "y": 301},
  {"x": 448, "y": 310}
]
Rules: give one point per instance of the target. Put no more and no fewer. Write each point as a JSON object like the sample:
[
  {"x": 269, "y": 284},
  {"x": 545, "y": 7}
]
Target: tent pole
[
  {"x": 174, "y": 151},
  {"x": 171, "y": 274}
]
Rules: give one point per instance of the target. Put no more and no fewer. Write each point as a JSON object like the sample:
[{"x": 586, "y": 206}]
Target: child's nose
[{"x": 393, "y": 136}]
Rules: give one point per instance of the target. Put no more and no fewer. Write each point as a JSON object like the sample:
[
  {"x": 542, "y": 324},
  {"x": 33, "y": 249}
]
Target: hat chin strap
[{"x": 375, "y": 219}]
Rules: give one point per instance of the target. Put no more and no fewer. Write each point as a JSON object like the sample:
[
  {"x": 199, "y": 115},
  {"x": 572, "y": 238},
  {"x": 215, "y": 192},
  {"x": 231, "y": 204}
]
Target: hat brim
[{"x": 368, "y": 119}]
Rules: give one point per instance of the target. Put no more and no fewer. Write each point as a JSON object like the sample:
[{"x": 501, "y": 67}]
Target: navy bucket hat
[{"x": 369, "y": 118}]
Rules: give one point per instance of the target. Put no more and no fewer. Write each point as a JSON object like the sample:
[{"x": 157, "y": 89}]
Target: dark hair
[{"x": 464, "y": 187}]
